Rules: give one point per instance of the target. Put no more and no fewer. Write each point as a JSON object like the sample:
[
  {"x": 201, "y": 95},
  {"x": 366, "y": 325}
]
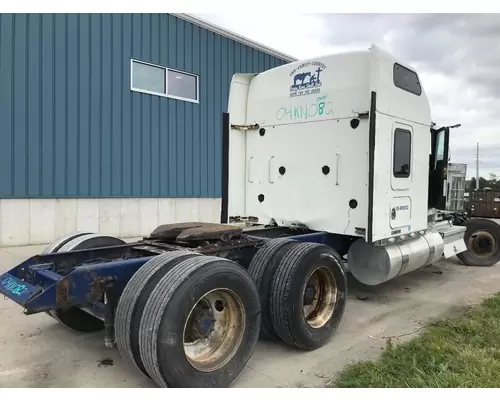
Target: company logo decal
[{"x": 306, "y": 78}]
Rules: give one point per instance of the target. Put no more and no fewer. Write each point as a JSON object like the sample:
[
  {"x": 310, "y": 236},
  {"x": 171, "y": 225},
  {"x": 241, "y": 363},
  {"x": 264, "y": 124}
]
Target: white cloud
[{"x": 299, "y": 35}]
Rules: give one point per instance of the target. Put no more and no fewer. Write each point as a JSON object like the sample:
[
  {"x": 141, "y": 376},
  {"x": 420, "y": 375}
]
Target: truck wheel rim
[
  {"x": 214, "y": 330},
  {"x": 320, "y": 297},
  {"x": 482, "y": 244}
]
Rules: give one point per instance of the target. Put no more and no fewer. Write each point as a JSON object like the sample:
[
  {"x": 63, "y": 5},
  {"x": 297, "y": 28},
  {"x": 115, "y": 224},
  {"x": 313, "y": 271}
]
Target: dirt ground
[{"x": 35, "y": 351}]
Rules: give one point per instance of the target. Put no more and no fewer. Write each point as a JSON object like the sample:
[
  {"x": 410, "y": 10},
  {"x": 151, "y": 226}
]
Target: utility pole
[{"x": 477, "y": 166}]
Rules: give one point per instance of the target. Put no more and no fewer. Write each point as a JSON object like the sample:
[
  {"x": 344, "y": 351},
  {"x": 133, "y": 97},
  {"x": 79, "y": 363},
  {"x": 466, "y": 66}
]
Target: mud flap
[
  {"x": 454, "y": 248},
  {"x": 453, "y": 238}
]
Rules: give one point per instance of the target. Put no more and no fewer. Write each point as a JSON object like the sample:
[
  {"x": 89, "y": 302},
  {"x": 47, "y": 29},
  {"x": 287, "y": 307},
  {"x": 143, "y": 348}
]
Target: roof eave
[{"x": 234, "y": 36}]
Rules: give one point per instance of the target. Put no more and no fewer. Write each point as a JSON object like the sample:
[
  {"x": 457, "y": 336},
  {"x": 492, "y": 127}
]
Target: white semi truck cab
[{"x": 344, "y": 144}]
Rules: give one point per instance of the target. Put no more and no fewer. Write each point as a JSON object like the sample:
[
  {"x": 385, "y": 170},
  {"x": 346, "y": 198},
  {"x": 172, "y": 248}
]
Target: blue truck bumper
[
  {"x": 39, "y": 284},
  {"x": 18, "y": 290}
]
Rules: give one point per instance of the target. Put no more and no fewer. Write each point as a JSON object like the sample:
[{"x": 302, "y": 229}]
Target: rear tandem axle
[{"x": 183, "y": 291}]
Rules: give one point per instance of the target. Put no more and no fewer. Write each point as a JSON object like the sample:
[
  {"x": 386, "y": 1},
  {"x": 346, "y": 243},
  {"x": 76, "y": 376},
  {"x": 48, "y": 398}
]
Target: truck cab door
[
  {"x": 438, "y": 166},
  {"x": 401, "y": 174}
]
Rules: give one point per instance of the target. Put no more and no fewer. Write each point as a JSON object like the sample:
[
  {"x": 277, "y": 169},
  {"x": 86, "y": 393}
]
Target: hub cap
[{"x": 482, "y": 244}]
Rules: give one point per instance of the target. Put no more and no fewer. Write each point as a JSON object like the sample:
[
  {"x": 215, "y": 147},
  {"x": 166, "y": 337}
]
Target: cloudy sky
[{"x": 457, "y": 56}]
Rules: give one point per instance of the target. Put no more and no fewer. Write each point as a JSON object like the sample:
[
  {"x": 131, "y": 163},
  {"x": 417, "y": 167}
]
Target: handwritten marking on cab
[
  {"x": 305, "y": 111},
  {"x": 12, "y": 286}
]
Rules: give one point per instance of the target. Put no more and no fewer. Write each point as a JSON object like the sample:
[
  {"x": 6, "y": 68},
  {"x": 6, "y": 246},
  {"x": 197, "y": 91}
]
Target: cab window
[
  {"x": 406, "y": 79},
  {"x": 402, "y": 153}
]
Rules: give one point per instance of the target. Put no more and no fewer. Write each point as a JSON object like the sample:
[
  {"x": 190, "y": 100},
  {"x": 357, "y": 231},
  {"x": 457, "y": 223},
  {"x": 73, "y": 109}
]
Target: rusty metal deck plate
[{"x": 195, "y": 231}]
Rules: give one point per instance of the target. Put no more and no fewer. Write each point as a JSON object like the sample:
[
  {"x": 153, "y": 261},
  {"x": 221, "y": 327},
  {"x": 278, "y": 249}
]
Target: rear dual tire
[
  {"x": 308, "y": 296},
  {"x": 262, "y": 270},
  {"x": 303, "y": 289},
  {"x": 133, "y": 299},
  {"x": 195, "y": 322}
]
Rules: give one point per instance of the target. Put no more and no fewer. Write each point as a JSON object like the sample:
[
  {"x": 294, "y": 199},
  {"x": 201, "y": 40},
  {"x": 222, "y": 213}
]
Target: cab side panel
[{"x": 401, "y": 149}]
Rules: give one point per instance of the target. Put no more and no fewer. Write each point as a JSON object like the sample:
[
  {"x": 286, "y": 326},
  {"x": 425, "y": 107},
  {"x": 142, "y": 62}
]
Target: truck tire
[
  {"x": 54, "y": 248},
  {"x": 262, "y": 269},
  {"x": 308, "y": 295},
  {"x": 134, "y": 298},
  {"x": 73, "y": 317},
  {"x": 482, "y": 238},
  {"x": 200, "y": 325},
  {"x": 61, "y": 241},
  {"x": 77, "y": 320},
  {"x": 90, "y": 241}
]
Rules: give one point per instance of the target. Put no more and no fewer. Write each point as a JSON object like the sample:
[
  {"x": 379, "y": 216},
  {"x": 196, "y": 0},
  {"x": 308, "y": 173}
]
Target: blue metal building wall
[{"x": 71, "y": 127}]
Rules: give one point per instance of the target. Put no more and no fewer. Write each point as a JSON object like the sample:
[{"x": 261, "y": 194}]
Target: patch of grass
[{"x": 462, "y": 352}]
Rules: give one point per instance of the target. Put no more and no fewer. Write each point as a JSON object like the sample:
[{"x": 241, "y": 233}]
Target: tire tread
[
  {"x": 131, "y": 294},
  {"x": 257, "y": 269},
  {"x": 152, "y": 315},
  {"x": 280, "y": 291}
]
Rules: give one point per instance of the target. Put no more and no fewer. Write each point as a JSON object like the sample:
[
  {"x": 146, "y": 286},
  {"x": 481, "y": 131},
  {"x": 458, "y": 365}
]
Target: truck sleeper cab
[{"x": 342, "y": 146}]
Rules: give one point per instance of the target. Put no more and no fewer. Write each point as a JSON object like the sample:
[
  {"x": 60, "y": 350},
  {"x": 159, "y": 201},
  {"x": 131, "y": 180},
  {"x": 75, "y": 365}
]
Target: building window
[
  {"x": 402, "y": 153},
  {"x": 182, "y": 85},
  {"x": 148, "y": 78},
  {"x": 163, "y": 81},
  {"x": 406, "y": 79}
]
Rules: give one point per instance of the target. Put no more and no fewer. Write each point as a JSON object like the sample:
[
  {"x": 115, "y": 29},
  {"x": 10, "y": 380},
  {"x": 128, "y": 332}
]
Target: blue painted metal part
[
  {"x": 85, "y": 285},
  {"x": 315, "y": 237},
  {"x": 334, "y": 241},
  {"x": 16, "y": 289},
  {"x": 38, "y": 288},
  {"x": 79, "y": 278}
]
